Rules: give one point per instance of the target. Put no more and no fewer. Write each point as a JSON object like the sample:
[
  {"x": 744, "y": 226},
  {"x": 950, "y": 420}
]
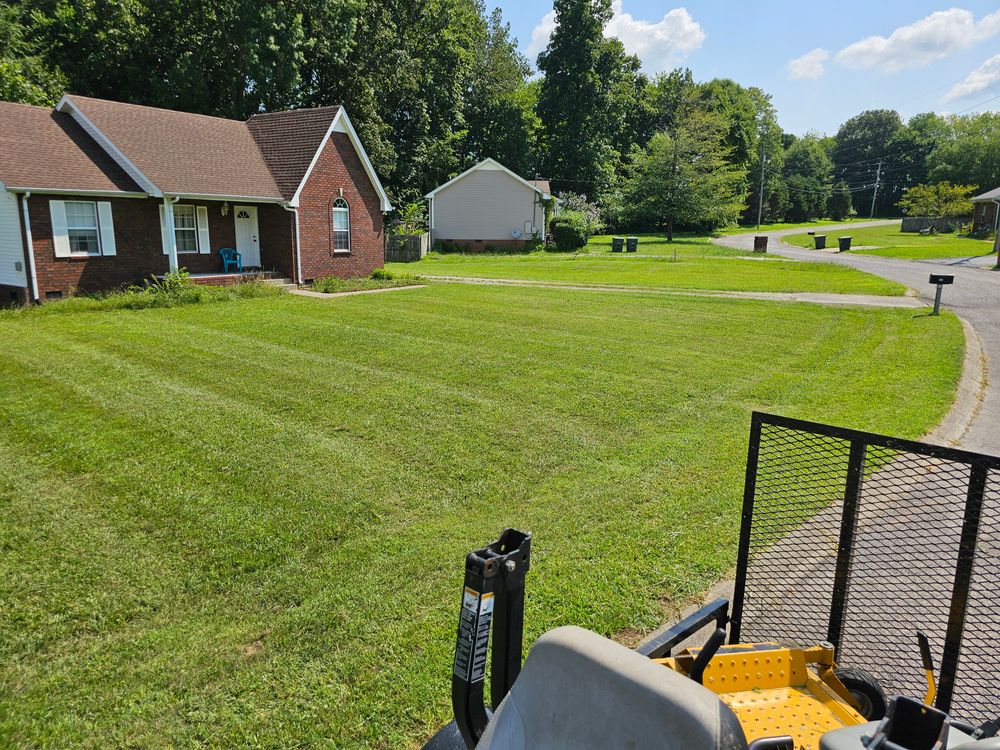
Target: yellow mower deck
[{"x": 774, "y": 690}]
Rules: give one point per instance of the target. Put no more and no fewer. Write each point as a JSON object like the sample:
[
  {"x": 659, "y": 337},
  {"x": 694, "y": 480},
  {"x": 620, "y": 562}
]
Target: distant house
[
  {"x": 984, "y": 211},
  {"x": 95, "y": 194},
  {"x": 488, "y": 206}
]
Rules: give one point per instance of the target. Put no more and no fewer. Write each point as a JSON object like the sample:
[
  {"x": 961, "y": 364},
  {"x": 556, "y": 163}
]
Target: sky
[{"x": 822, "y": 62}]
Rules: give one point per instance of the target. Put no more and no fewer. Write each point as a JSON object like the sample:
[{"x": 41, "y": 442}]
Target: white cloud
[
  {"x": 809, "y": 65},
  {"x": 660, "y": 45},
  {"x": 939, "y": 35},
  {"x": 985, "y": 76}
]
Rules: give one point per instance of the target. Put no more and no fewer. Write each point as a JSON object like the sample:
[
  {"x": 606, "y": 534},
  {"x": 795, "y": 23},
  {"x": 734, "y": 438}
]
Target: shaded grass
[
  {"x": 244, "y": 525},
  {"x": 889, "y": 242}
]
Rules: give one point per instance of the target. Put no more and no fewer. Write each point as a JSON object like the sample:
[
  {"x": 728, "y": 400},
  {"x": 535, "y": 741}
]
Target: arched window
[{"x": 341, "y": 226}]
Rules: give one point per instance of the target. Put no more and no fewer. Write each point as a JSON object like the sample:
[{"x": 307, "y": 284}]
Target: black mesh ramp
[{"x": 863, "y": 539}]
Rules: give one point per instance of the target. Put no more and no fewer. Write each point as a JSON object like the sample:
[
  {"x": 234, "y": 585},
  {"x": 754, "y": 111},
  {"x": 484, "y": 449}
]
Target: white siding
[
  {"x": 487, "y": 205},
  {"x": 11, "y": 248}
]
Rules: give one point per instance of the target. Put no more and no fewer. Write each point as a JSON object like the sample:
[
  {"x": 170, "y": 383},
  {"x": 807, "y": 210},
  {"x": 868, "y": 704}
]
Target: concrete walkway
[
  {"x": 333, "y": 295},
  {"x": 975, "y": 297},
  {"x": 819, "y": 298}
]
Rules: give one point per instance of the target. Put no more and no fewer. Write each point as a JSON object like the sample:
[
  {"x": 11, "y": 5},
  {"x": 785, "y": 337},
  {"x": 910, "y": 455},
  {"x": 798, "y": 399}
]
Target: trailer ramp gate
[{"x": 862, "y": 540}]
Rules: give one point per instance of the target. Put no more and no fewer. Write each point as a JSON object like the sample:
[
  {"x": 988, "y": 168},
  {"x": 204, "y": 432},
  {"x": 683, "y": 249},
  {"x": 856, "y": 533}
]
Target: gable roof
[
  {"x": 289, "y": 140},
  {"x": 45, "y": 150},
  {"x": 493, "y": 164},
  {"x": 988, "y": 196},
  {"x": 542, "y": 185},
  {"x": 179, "y": 152}
]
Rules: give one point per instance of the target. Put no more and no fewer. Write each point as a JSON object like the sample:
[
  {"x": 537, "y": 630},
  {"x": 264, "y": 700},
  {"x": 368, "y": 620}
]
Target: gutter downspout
[
  {"x": 298, "y": 246},
  {"x": 31, "y": 247}
]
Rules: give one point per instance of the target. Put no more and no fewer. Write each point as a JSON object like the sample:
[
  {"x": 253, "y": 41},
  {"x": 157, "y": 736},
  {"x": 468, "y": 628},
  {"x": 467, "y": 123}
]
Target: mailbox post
[{"x": 940, "y": 279}]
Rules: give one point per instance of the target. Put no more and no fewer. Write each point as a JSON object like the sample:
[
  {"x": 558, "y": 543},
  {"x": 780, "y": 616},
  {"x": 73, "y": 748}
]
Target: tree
[
  {"x": 769, "y": 142},
  {"x": 941, "y": 199},
  {"x": 578, "y": 154},
  {"x": 500, "y": 114},
  {"x": 24, "y": 75},
  {"x": 807, "y": 177},
  {"x": 861, "y": 143},
  {"x": 838, "y": 206},
  {"x": 970, "y": 151},
  {"x": 684, "y": 177}
]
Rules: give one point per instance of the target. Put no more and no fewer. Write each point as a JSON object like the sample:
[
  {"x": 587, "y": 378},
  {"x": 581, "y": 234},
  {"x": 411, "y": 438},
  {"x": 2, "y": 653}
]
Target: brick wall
[
  {"x": 339, "y": 167},
  {"x": 139, "y": 247}
]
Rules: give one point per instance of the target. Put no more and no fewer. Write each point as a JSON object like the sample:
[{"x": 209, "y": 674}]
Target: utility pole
[
  {"x": 760, "y": 197},
  {"x": 878, "y": 176}
]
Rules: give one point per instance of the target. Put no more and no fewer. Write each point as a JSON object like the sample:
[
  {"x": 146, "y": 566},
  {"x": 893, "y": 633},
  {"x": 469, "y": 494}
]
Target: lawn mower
[{"x": 578, "y": 690}]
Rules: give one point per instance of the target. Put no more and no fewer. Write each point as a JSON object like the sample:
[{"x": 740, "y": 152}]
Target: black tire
[{"x": 866, "y": 691}]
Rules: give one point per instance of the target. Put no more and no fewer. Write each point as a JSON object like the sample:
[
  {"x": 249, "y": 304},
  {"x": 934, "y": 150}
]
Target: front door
[{"x": 247, "y": 235}]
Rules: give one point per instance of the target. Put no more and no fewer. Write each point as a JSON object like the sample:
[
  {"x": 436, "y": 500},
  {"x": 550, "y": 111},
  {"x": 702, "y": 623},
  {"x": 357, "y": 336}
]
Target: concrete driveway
[{"x": 975, "y": 297}]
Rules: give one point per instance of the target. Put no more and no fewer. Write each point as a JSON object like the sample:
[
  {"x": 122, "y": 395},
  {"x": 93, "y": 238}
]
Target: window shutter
[
  {"x": 107, "y": 228},
  {"x": 204, "y": 245},
  {"x": 60, "y": 237},
  {"x": 164, "y": 236}
]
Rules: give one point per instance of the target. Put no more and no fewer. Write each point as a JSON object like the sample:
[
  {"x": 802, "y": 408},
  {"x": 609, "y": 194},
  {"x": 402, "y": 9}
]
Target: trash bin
[
  {"x": 845, "y": 243},
  {"x": 617, "y": 244},
  {"x": 631, "y": 244},
  {"x": 760, "y": 243},
  {"x": 820, "y": 240},
  {"x": 811, "y": 232}
]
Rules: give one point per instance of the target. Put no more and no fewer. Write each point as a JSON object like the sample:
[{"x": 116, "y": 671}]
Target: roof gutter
[
  {"x": 76, "y": 191},
  {"x": 298, "y": 246},
  {"x": 31, "y": 247}
]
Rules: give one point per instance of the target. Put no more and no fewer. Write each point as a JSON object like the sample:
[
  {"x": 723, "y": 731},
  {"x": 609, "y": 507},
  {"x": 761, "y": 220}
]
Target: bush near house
[{"x": 569, "y": 230}]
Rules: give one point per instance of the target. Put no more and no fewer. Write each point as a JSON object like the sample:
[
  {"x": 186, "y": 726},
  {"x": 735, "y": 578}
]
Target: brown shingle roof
[
  {"x": 183, "y": 152},
  {"x": 542, "y": 185},
  {"x": 42, "y": 149},
  {"x": 289, "y": 140}
]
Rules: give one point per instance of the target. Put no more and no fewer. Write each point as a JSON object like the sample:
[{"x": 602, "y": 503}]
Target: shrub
[
  {"x": 381, "y": 274},
  {"x": 569, "y": 230},
  {"x": 591, "y": 212}
]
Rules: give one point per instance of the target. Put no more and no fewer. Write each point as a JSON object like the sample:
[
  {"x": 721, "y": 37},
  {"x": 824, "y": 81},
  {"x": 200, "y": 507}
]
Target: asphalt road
[{"x": 975, "y": 296}]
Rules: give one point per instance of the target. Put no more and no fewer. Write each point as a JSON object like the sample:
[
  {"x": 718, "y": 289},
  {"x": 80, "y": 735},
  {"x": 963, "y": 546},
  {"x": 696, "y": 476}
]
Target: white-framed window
[
  {"x": 341, "y": 226},
  {"x": 82, "y": 228},
  {"x": 186, "y": 229}
]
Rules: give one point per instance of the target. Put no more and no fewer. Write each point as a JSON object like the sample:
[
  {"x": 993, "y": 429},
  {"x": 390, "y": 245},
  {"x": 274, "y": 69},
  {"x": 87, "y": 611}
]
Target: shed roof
[{"x": 988, "y": 196}]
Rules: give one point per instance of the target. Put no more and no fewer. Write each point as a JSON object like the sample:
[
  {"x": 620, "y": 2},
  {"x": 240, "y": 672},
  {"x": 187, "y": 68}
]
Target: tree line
[{"x": 434, "y": 86}]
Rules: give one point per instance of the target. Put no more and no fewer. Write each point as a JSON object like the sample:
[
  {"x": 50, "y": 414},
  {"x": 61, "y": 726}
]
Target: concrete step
[{"x": 278, "y": 281}]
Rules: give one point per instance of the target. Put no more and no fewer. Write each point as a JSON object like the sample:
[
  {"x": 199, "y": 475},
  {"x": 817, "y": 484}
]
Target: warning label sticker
[{"x": 473, "y": 635}]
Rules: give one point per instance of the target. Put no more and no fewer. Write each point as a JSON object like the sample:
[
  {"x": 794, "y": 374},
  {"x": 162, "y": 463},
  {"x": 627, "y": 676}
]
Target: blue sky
[{"x": 821, "y": 61}]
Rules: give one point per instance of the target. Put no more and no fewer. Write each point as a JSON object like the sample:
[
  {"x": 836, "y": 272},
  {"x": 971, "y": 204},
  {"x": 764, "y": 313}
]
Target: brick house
[
  {"x": 95, "y": 194},
  {"x": 984, "y": 211}
]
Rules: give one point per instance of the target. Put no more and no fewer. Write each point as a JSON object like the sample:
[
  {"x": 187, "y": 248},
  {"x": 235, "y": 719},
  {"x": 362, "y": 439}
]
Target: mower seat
[{"x": 580, "y": 690}]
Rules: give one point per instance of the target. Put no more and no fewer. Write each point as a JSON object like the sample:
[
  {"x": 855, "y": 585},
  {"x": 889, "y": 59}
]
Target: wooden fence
[{"x": 404, "y": 248}]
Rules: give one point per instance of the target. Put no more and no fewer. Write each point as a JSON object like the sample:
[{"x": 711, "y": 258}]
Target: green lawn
[
  {"x": 699, "y": 265},
  {"x": 888, "y": 241},
  {"x": 244, "y": 524}
]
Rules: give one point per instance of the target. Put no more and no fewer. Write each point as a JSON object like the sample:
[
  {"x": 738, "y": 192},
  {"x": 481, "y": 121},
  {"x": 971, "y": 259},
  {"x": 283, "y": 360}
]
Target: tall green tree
[
  {"x": 25, "y": 75},
  {"x": 686, "y": 177},
  {"x": 970, "y": 151},
  {"x": 942, "y": 199},
  {"x": 862, "y": 142},
  {"x": 578, "y": 150},
  {"x": 807, "y": 178},
  {"x": 500, "y": 111}
]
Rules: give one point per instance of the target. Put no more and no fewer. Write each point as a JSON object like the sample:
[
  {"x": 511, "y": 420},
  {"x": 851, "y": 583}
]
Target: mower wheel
[{"x": 866, "y": 691}]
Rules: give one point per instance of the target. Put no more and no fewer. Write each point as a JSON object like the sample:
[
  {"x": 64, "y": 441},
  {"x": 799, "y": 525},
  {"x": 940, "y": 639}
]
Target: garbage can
[
  {"x": 811, "y": 232},
  {"x": 845, "y": 243},
  {"x": 617, "y": 244},
  {"x": 760, "y": 243},
  {"x": 820, "y": 240},
  {"x": 631, "y": 244}
]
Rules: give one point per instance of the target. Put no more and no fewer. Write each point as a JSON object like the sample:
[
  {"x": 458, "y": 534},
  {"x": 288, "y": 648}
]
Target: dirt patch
[{"x": 255, "y": 646}]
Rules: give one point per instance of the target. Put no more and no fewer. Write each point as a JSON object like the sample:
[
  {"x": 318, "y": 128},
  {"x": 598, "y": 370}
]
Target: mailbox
[{"x": 942, "y": 278}]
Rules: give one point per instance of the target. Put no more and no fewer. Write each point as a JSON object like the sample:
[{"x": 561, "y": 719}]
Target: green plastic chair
[{"x": 231, "y": 258}]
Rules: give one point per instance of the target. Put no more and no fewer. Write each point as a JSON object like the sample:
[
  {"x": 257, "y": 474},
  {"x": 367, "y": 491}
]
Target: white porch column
[{"x": 168, "y": 217}]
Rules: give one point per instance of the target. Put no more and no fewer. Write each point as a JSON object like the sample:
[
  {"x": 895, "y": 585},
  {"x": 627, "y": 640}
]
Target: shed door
[{"x": 247, "y": 235}]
